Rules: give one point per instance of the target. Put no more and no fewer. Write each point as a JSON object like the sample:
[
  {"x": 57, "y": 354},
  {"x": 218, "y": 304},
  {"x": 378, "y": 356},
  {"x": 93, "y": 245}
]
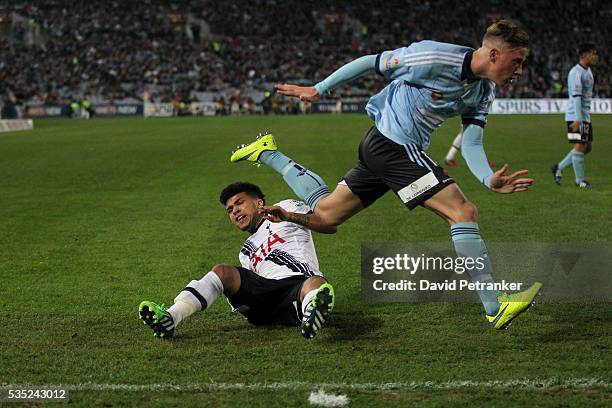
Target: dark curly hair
[{"x": 240, "y": 187}]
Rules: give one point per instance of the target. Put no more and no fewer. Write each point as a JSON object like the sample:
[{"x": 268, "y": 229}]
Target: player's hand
[
  {"x": 305, "y": 93},
  {"x": 500, "y": 183},
  {"x": 274, "y": 213},
  {"x": 575, "y": 126}
]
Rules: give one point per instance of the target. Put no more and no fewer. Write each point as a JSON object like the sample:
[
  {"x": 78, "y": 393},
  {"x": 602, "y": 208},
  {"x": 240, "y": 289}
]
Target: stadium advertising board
[
  {"x": 16, "y": 124},
  {"x": 41, "y": 111},
  {"x": 500, "y": 106},
  {"x": 339, "y": 106},
  {"x": 544, "y": 106},
  {"x": 118, "y": 110},
  {"x": 158, "y": 109},
  {"x": 203, "y": 108}
]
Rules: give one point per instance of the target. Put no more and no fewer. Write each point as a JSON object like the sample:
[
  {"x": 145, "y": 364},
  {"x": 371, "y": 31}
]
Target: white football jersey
[{"x": 281, "y": 250}]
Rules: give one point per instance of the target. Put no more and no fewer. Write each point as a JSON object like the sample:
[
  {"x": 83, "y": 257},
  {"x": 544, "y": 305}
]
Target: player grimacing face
[
  {"x": 506, "y": 64},
  {"x": 243, "y": 211}
]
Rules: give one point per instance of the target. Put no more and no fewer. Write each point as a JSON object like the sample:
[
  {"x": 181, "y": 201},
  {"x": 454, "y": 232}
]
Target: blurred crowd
[{"x": 58, "y": 50}]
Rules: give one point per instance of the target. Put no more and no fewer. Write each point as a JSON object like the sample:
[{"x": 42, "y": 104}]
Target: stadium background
[
  {"x": 97, "y": 215},
  {"x": 232, "y": 53}
]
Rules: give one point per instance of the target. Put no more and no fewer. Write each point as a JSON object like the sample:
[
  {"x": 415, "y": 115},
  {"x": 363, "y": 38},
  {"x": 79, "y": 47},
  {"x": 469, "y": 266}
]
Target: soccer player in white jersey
[
  {"x": 429, "y": 82},
  {"x": 278, "y": 282},
  {"x": 578, "y": 116}
]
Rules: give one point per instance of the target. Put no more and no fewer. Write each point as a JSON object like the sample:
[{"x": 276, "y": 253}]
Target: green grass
[{"x": 96, "y": 216}]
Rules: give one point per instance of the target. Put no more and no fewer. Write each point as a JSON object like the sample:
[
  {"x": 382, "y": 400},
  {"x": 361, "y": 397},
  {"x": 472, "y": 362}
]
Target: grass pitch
[{"x": 96, "y": 216}]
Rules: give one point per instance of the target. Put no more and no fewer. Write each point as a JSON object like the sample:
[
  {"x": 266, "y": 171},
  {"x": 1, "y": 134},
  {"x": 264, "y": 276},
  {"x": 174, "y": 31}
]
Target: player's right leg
[
  {"x": 580, "y": 150},
  {"x": 196, "y": 296},
  {"x": 452, "y": 205}
]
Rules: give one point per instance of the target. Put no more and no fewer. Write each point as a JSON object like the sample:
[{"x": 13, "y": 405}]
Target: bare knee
[
  {"x": 310, "y": 284},
  {"x": 465, "y": 212},
  {"x": 229, "y": 277}
]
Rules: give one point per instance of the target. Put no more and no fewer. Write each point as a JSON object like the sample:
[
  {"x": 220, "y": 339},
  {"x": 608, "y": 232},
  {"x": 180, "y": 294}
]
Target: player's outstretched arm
[
  {"x": 513, "y": 183},
  {"x": 476, "y": 159},
  {"x": 311, "y": 221},
  {"x": 348, "y": 72},
  {"x": 305, "y": 93}
]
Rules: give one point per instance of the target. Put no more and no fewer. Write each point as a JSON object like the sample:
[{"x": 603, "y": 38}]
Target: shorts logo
[{"x": 412, "y": 191}]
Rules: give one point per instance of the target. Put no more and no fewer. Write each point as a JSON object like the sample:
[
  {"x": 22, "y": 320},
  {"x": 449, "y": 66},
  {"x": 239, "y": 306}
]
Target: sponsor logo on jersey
[
  {"x": 260, "y": 254},
  {"x": 391, "y": 62}
]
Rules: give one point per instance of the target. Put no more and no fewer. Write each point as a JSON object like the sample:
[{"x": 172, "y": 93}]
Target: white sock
[
  {"x": 197, "y": 295},
  {"x": 455, "y": 147},
  {"x": 180, "y": 310},
  {"x": 307, "y": 299}
]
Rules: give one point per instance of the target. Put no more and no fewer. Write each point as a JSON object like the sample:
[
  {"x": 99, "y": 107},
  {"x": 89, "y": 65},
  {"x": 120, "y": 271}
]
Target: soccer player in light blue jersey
[
  {"x": 578, "y": 116},
  {"x": 428, "y": 82}
]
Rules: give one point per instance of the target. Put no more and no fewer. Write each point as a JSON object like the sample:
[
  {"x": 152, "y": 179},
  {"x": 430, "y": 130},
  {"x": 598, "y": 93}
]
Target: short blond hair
[{"x": 508, "y": 32}]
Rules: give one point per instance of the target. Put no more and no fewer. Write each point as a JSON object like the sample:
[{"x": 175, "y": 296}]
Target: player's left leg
[
  {"x": 334, "y": 208},
  {"x": 318, "y": 299},
  {"x": 306, "y": 184},
  {"x": 196, "y": 296},
  {"x": 451, "y": 204},
  {"x": 578, "y": 159}
]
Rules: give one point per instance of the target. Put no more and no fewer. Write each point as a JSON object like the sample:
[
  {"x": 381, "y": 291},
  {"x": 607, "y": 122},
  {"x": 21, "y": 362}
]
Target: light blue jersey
[
  {"x": 580, "y": 89},
  {"x": 429, "y": 83}
]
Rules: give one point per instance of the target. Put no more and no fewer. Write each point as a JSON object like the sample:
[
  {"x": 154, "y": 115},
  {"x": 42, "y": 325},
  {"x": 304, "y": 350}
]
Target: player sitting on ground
[
  {"x": 279, "y": 281},
  {"x": 429, "y": 82}
]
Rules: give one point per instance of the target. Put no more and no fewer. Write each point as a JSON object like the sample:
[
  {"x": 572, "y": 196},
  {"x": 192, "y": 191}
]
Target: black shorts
[
  {"x": 405, "y": 169},
  {"x": 268, "y": 301},
  {"x": 584, "y": 134}
]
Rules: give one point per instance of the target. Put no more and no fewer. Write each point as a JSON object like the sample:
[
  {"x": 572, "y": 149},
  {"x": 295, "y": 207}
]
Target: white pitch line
[{"x": 534, "y": 384}]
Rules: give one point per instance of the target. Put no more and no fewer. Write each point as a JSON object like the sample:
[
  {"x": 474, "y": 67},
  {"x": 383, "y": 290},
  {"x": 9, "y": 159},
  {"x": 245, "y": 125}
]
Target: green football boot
[
  {"x": 318, "y": 311},
  {"x": 511, "y": 306},
  {"x": 157, "y": 318},
  {"x": 252, "y": 151}
]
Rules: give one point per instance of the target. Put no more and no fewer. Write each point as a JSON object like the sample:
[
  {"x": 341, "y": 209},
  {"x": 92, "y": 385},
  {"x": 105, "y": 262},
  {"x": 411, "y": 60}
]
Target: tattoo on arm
[{"x": 301, "y": 219}]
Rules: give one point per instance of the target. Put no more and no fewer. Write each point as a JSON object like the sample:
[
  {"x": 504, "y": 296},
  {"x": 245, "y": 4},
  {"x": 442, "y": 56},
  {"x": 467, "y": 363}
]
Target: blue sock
[
  {"x": 567, "y": 160},
  {"x": 468, "y": 244},
  {"x": 305, "y": 184},
  {"x": 578, "y": 162}
]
